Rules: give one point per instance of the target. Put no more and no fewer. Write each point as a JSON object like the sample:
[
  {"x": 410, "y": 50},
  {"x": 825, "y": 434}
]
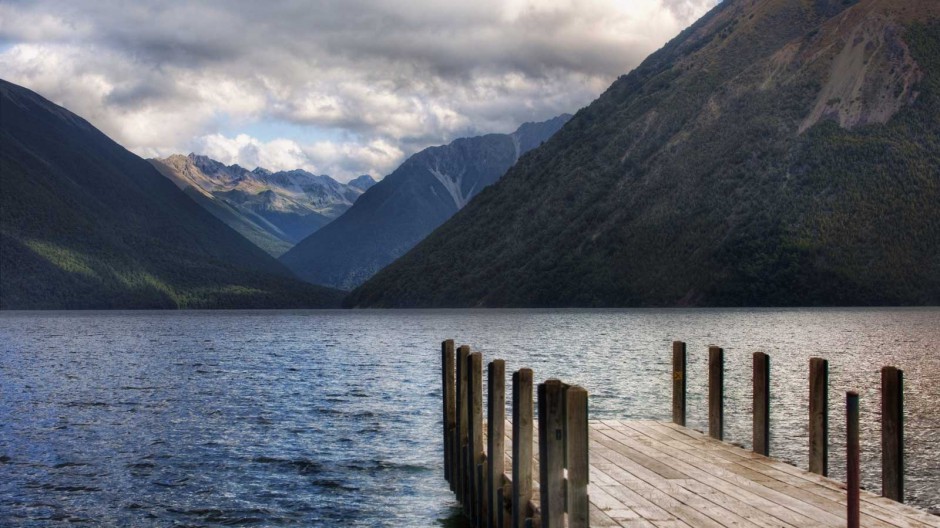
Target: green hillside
[
  {"x": 86, "y": 224},
  {"x": 781, "y": 153}
]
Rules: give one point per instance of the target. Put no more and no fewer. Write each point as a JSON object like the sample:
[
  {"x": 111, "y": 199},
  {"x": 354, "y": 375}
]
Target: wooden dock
[
  {"x": 579, "y": 473},
  {"x": 658, "y": 474}
]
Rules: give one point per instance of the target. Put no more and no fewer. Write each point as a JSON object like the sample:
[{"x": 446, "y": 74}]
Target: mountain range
[
  {"x": 777, "y": 152},
  {"x": 274, "y": 210},
  {"x": 408, "y": 204},
  {"x": 86, "y": 224}
]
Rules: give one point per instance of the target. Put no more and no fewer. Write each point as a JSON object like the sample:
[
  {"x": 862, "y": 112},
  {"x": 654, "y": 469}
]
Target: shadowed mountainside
[
  {"x": 86, "y": 224},
  {"x": 779, "y": 152}
]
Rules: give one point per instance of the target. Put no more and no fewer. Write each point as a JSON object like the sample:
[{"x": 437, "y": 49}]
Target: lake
[{"x": 332, "y": 418}]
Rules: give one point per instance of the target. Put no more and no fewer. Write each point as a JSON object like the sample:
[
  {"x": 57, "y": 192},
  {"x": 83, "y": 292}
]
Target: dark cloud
[{"x": 165, "y": 75}]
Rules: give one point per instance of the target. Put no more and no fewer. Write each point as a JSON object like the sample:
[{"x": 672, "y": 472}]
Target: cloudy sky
[{"x": 341, "y": 87}]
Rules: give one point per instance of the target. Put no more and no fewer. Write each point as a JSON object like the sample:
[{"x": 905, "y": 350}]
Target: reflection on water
[{"x": 332, "y": 418}]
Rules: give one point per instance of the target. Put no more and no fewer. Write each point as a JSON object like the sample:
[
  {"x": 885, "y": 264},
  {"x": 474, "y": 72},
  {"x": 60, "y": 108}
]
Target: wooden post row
[
  {"x": 678, "y": 382},
  {"x": 521, "y": 446},
  {"x": 551, "y": 454},
  {"x": 716, "y": 392},
  {"x": 495, "y": 438},
  {"x": 852, "y": 470},
  {"x": 450, "y": 412},
  {"x": 460, "y": 466},
  {"x": 761, "y": 411},
  {"x": 576, "y": 400},
  {"x": 892, "y": 433},
  {"x": 475, "y": 432},
  {"x": 819, "y": 416}
]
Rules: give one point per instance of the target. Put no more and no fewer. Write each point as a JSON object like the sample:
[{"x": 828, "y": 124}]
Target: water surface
[{"x": 332, "y": 418}]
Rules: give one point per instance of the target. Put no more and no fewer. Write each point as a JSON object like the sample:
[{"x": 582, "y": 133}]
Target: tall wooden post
[
  {"x": 450, "y": 412},
  {"x": 761, "y": 403},
  {"x": 463, "y": 413},
  {"x": 678, "y": 382},
  {"x": 522, "y": 424},
  {"x": 716, "y": 392},
  {"x": 475, "y": 391},
  {"x": 892, "y": 433},
  {"x": 576, "y": 401},
  {"x": 819, "y": 416},
  {"x": 551, "y": 454},
  {"x": 852, "y": 470},
  {"x": 495, "y": 437}
]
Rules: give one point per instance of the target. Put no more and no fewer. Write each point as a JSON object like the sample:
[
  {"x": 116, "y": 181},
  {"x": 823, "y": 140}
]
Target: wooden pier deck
[
  {"x": 576, "y": 472},
  {"x": 657, "y": 474}
]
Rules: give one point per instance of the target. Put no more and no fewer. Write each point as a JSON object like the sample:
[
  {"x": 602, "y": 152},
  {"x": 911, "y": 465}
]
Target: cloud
[{"x": 388, "y": 77}]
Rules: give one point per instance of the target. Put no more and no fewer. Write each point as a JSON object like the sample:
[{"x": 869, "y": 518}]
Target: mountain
[
  {"x": 399, "y": 211},
  {"x": 86, "y": 224},
  {"x": 780, "y": 152},
  {"x": 274, "y": 210}
]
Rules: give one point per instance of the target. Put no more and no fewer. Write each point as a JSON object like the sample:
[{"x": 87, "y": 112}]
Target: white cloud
[{"x": 388, "y": 77}]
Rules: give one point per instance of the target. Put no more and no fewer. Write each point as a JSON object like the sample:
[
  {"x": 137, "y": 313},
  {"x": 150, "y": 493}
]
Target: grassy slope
[{"x": 717, "y": 199}]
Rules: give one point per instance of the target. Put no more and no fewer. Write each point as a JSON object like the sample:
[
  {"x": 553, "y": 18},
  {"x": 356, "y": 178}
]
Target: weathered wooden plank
[
  {"x": 475, "y": 429},
  {"x": 819, "y": 416},
  {"x": 463, "y": 413},
  {"x": 522, "y": 429},
  {"x": 678, "y": 382},
  {"x": 716, "y": 392},
  {"x": 576, "y": 416},
  {"x": 496, "y": 437},
  {"x": 852, "y": 468},
  {"x": 892, "y": 433},
  {"x": 551, "y": 453},
  {"x": 448, "y": 392},
  {"x": 761, "y": 404}
]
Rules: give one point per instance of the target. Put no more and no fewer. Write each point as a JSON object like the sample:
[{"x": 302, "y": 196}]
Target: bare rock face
[{"x": 274, "y": 210}]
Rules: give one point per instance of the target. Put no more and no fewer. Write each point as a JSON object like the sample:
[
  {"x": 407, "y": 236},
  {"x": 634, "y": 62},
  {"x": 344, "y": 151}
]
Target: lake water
[{"x": 332, "y": 418}]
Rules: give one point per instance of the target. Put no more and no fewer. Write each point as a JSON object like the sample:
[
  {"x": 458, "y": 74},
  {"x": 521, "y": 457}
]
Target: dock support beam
[
  {"x": 576, "y": 416},
  {"x": 819, "y": 416},
  {"x": 463, "y": 412},
  {"x": 551, "y": 453},
  {"x": 852, "y": 470},
  {"x": 678, "y": 382},
  {"x": 716, "y": 392},
  {"x": 495, "y": 438},
  {"x": 475, "y": 430},
  {"x": 522, "y": 424},
  {"x": 892, "y": 433},
  {"x": 448, "y": 391},
  {"x": 761, "y": 412}
]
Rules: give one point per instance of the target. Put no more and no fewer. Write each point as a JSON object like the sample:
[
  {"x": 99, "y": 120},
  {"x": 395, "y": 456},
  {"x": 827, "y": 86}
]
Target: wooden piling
[
  {"x": 463, "y": 413},
  {"x": 551, "y": 453},
  {"x": 852, "y": 470},
  {"x": 576, "y": 401},
  {"x": 678, "y": 382},
  {"x": 716, "y": 392},
  {"x": 495, "y": 436},
  {"x": 522, "y": 424},
  {"x": 475, "y": 400},
  {"x": 761, "y": 412},
  {"x": 448, "y": 391},
  {"x": 819, "y": 416},
  {"x": 892, "y": 433}
]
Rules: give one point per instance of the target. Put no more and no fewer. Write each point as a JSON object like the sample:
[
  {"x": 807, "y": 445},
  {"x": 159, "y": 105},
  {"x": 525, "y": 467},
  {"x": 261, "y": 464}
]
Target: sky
[{"x": 344, "y": 87}]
